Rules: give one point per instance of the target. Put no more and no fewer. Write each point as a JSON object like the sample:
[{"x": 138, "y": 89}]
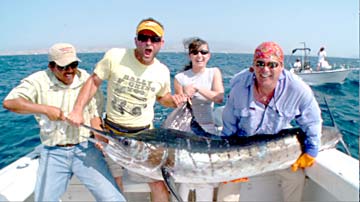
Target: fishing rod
[
  {"x": 95, "y": 130},
  {"x": 334, "y": 124},
  {"x": 105, "y": 134}
]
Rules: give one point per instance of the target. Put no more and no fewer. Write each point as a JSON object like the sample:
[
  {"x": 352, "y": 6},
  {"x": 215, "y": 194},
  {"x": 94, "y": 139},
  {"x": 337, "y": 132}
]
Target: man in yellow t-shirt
[{"x": 135, "y": 80}]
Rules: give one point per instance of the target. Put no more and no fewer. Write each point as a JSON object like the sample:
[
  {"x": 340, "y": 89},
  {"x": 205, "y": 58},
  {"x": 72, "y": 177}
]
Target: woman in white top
[
  {"x": 204, "y": 86},
  {"x": 322, "y": 63}
]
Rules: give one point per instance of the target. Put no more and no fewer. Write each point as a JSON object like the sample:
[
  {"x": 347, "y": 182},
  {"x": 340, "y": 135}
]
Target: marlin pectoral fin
[{"x": 170, "y": 183}]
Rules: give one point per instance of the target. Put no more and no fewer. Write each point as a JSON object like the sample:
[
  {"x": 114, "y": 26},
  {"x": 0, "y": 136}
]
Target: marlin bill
[{"x": 191, "y": 155}]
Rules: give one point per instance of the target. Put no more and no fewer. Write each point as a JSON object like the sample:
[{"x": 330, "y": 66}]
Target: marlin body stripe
[{"x": 191, "y": 155}]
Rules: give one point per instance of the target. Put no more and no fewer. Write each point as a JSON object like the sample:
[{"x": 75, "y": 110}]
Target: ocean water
[{"x": 19, "y": 133}]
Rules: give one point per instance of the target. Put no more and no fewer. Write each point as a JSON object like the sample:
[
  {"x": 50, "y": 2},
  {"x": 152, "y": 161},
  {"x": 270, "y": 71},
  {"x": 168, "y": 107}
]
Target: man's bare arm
[
  {"x": 87, "y": 92},
  {"x": 169, "y": 100}
]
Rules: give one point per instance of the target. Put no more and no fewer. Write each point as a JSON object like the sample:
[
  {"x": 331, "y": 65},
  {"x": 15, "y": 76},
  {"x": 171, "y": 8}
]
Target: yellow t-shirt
[
  {"x": 132, "y": 87},
  {"x": 44, "y": 88}
]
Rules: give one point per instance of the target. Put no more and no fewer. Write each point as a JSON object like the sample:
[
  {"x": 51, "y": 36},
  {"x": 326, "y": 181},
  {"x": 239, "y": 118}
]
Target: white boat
[
  {"x": 312, "y": 76},
  {"x": 334, "y": 177},
  {"x": 324, "y": 76}
]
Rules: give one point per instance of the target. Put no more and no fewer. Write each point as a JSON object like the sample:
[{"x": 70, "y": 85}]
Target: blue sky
[{"x": 228, "y": 25}]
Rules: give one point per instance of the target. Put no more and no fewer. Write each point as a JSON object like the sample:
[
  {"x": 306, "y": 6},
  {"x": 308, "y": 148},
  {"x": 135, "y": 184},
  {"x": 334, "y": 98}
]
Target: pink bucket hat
[{"x": 269, "y": 51}]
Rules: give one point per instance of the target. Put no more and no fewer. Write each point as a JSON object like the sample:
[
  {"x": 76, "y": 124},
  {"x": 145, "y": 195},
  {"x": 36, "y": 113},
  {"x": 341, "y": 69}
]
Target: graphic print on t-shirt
[{"x": 131, "y": 95}]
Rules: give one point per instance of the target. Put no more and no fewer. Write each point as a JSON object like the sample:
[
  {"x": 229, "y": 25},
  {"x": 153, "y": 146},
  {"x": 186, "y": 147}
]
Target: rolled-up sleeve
[{"x": 26, "y": 89}]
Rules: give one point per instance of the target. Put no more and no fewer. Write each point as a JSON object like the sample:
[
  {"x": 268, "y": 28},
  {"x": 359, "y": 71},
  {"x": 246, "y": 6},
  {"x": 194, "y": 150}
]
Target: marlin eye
[{"x": 126, "y": 142}]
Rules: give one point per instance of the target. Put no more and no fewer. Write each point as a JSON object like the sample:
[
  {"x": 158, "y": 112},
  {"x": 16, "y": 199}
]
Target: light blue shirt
[{"x": 292, "y": 100}]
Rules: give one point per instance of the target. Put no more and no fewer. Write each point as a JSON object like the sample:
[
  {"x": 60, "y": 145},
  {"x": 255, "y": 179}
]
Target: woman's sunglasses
[
  {"x": 270, "y": 64},
  {"x": 64, "y": 68},
  {"x": 203, "y": 52},
  {"x": 145, "y": 38}
]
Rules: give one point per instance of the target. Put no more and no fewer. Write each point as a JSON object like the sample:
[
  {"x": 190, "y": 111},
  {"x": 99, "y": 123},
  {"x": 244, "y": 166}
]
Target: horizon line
[{"x": 103, "y": 50}]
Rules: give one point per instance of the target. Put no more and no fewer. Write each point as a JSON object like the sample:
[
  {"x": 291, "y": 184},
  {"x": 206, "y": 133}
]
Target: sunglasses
[
  {"x": 145, "y": 38},
  {"x": 203, "y": 52},
  {"x": 64, "y": 68},
  {"x": 262, "y": 64}
]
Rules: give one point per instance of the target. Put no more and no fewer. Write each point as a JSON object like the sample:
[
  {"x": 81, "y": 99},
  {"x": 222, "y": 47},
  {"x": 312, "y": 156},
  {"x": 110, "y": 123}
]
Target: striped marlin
[
  {"x": 181, "y": 151},
  {"x": 191, "y": 155}
]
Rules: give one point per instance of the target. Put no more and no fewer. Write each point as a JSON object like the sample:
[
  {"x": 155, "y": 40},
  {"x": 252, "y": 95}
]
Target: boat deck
[{"x": 334, "y": 177}]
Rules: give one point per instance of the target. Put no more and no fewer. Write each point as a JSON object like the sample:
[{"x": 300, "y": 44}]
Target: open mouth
[
  {"x": 68, "y": 75},
  {"x": 147, "y": 52}
]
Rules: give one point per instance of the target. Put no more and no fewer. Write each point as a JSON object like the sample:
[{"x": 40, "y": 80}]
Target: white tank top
[{"x": 202, "y": 107}]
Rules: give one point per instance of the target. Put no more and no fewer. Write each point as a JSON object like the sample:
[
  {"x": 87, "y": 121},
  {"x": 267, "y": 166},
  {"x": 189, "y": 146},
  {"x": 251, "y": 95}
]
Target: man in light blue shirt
[
  {"x": 265, "y": 99},
  {"x": 293, "y": 99}
]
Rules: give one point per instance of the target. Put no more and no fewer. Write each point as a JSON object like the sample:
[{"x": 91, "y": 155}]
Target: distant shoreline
[{"x": 44, "y": 52}]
